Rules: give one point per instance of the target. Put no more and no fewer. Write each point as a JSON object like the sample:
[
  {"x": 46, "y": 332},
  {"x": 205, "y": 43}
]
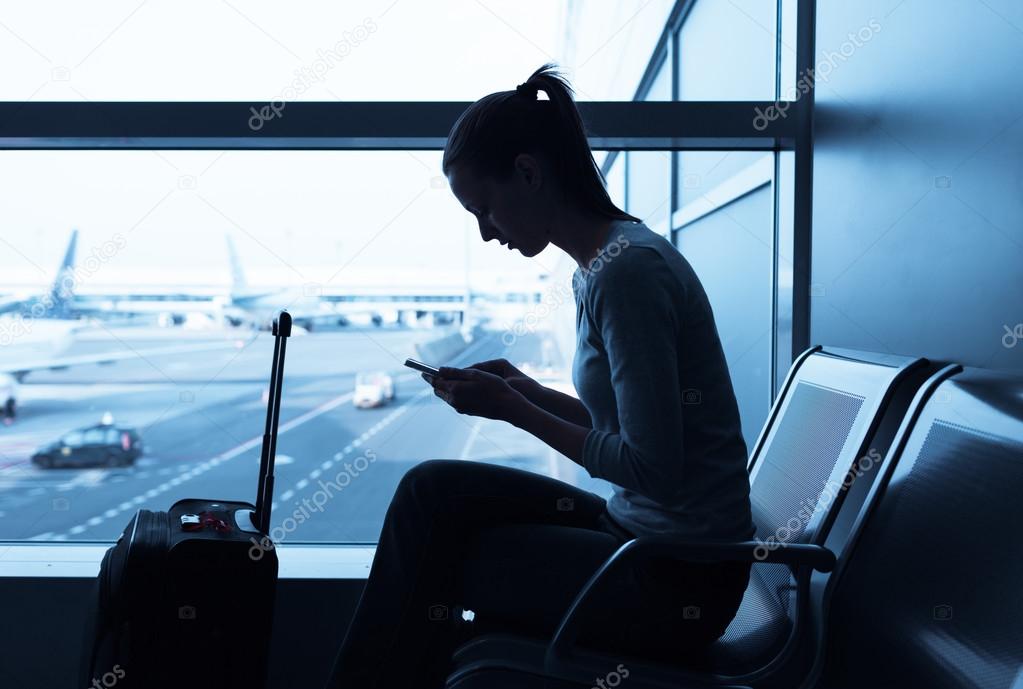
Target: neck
[{"x": 580, "y": 234}]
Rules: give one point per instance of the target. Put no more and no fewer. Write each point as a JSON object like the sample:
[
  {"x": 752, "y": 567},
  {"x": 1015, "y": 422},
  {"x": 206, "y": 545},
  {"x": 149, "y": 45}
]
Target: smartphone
[{"x": 420, "y": 366}]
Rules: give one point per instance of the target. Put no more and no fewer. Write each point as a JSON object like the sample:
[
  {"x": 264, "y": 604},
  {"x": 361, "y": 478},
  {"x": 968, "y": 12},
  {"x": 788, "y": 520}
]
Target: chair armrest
[
  {"x": 793, "y": 554},
  {"x": 800, "y": 557}
]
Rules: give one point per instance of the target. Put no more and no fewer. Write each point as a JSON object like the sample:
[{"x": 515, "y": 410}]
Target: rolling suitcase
[{"x": 186, "y": 596}]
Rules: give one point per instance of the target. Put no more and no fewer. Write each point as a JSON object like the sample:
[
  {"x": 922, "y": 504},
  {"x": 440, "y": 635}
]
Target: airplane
[
  {"x": 58, "y": 301},
  {"x": 260, "y": 306},
  {"x": 36, "y": 333}
]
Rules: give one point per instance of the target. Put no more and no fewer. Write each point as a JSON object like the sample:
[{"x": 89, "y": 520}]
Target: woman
[{"x": 657, "y": 418}]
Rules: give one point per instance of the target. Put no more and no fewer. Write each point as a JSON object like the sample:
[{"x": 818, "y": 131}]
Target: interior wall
[
  {"x": 918, "y": 179},
  {"x": 44, "y": 629}
]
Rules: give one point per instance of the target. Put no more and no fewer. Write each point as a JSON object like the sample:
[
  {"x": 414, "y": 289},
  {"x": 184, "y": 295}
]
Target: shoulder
[{"x": 634, "y": 260}]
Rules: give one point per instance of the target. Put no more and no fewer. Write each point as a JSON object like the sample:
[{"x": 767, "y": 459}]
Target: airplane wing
[{"x": 23, "y": 368}]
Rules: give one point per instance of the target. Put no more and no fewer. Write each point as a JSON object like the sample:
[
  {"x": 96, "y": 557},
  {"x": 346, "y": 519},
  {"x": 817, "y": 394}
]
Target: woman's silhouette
[{"x": 657, "y": 417}]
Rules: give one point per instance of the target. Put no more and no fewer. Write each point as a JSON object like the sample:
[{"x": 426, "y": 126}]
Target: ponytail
[{"x": 495, "y": 129}]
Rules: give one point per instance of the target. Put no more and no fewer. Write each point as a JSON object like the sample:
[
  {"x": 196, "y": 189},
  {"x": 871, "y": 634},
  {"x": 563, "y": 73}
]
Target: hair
[{"x": 497, "y": 128}]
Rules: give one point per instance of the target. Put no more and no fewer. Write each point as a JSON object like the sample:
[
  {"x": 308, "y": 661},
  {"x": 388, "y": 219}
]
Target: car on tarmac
[{"x": 104, "y": 444}]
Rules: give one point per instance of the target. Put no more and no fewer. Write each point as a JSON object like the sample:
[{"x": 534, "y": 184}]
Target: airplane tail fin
[
  {"x": 237, "y": 274},
  {"x": 63, "y": 289}
]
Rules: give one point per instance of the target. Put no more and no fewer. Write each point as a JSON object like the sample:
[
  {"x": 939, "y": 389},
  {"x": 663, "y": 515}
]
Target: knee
[{"x": 426, "y": 474}]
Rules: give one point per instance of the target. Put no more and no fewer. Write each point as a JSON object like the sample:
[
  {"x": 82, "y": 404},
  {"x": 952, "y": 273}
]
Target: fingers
[
  {"x": 451, "y": 373},
  {"x": 495, "y": 366}
]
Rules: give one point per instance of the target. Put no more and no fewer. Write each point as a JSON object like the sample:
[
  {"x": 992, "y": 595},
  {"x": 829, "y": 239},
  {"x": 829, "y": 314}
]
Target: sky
[{"x": 296, "y": 217}]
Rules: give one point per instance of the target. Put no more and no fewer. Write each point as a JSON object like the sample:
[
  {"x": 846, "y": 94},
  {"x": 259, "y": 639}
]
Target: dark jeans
[{"x": 515, "y": 548}]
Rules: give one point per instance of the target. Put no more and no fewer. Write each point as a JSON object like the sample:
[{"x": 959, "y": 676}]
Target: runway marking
[
  {"x": 303, "y": 483},
  {"x": 202, "y": 468},
  {"x": 253, "y": 442},
  {"x": 471, "y": 440}
]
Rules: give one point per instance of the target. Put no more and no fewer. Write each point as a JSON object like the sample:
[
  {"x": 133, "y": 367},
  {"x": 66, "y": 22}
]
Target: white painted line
[
  {"x": 471, "y": 440},
  {"x": 96, "y": 475}
]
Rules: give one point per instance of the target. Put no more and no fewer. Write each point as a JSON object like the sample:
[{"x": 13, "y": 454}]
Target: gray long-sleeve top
[{"x": 650, "y": 370}]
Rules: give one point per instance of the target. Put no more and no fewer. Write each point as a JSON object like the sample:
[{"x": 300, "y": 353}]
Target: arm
[
  {"x": 481, "y": 393},
  {"x": 559, "y": 433},
  {"x": 632, "y": 304},
  {"x": 557, "y": 403}
]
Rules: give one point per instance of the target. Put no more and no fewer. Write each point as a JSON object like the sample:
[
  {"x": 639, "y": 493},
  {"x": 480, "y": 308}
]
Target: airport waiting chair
[
  {"x": 825, "y": 419},
  {"x": 930, "y": 596}
]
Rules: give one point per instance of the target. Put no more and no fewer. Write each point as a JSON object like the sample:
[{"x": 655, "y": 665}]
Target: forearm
[
  {"x": 557, "y": 403},
  {"x": 560, "y": 434}
]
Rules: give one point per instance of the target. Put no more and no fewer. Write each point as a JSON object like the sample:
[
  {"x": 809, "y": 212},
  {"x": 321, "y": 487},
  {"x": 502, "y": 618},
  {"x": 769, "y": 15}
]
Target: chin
[{"x": 531, "y": 251}]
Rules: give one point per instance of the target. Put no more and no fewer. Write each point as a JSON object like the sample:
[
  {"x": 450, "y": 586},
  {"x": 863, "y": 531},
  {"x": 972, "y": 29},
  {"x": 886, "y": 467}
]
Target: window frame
[{"x": 614, "y": 126}]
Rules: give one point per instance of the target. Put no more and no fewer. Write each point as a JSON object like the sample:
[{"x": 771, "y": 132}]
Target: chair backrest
[
  {"x": 819, "y": 429},
  {"x": 931, "y": 592}
]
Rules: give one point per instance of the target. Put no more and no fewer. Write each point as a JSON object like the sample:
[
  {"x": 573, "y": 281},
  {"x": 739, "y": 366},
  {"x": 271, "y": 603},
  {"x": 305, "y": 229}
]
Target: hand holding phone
[{"x": 420, "y": 366}]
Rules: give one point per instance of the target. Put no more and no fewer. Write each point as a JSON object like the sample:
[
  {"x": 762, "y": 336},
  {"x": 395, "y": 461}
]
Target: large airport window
[
  {"x": 136, "y": 286},
  {"x": 136, "y": 291},
  {"x": 738, "y": 39},
  {"x": 725, "y": 228},
  {"x": 649, "y": 172}
]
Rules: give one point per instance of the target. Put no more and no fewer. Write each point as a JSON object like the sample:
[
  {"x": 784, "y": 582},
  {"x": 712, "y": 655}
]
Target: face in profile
[{"x": 510, "y": 210}]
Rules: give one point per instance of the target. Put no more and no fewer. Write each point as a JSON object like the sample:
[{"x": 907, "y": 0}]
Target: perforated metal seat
[
  {"x": 825, "y": 419},
  {"x": 938, "y": 549}
]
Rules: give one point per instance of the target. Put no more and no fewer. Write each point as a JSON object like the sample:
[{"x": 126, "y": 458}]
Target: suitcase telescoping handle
[{"x": 265, "y": 489}]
